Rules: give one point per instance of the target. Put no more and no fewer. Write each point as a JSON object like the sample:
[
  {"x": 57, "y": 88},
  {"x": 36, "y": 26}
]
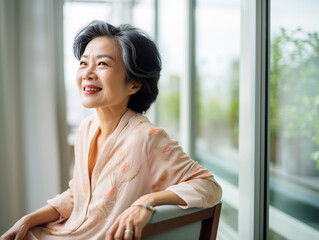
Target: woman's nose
[{"x": 89, "y": 74}]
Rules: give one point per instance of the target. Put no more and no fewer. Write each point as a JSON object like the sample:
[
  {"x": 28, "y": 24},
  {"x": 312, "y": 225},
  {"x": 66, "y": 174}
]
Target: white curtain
[{"x": 33, "y": 145}]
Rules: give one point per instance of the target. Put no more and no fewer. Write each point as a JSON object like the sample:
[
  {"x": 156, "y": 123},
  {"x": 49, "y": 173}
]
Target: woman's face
[{"x": 101, "y": 76}]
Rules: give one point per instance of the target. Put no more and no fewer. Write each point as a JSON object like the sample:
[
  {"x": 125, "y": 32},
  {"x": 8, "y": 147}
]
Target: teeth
[{"x": 91, "y": 89}]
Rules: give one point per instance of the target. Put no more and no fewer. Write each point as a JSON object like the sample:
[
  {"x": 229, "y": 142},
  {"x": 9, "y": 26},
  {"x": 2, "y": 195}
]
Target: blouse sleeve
[
  {"x": 174, "y": 170},
  {"x": 63, "y": 202}
]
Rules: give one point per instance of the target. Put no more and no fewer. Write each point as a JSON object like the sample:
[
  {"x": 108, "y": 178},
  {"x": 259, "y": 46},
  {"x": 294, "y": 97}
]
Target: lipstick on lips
[{"x": 91, "y": 89}]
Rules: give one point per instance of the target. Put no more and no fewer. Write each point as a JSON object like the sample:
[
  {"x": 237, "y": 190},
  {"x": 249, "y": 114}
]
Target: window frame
[{"x": 253, "y": 119}]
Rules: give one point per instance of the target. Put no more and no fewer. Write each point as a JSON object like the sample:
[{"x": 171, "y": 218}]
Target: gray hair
[{"x": 139, "y": 53}]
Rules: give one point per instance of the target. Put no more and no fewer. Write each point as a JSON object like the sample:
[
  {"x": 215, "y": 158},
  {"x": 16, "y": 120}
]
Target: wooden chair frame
[{"x": 208, "y": 216}]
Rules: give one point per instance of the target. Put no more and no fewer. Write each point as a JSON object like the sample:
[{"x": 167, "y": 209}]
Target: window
[
  {"x": 143, "y": 16},
  {"x": 294, "y": 120},
  {"x": 172, "y": 45},
  {"x": 217, "y": 99}
]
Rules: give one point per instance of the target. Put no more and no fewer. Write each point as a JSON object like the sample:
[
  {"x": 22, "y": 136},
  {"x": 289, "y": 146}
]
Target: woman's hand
[
  {"x": 18, "y": 231},
  {"x": 129, "y": 224}
]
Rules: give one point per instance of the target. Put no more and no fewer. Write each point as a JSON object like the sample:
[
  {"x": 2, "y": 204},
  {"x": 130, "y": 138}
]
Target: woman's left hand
[{"x": 129, "y": 224}]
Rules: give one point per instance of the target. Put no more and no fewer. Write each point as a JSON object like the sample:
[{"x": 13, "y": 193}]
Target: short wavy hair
[{"x": 139, "y": 53}]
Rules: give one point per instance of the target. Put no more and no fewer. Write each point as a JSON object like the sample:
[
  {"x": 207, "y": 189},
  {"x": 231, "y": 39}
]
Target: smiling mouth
[{"x": 90, "y": 89}]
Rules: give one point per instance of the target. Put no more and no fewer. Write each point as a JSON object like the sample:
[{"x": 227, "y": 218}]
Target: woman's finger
[
  {"x": 139, "y": 224},
  {"x": 21, "y": 234},
  {"x": 111, "y": 232},
  {"x": 138, "y": 232},
  {"x": 119, "y": 234},
  {"x": 129, "y": 230},
  {"x": 5, "y": 237},
  {"x": 9, "y": 236}
]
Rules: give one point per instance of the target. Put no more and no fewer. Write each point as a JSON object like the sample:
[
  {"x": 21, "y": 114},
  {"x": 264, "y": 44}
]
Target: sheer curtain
[{"x": 33, "y": 128}]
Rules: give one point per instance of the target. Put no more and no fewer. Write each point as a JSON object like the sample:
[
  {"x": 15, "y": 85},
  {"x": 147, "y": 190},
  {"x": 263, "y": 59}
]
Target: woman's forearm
[
  {"x": 44, "y": 215},
  {"x": 161, "y": 198}
]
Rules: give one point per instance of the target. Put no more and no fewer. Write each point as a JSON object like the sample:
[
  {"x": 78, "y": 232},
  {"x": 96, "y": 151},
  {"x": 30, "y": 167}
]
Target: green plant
[
  {"x": 170, "y": 100},
  {"x": 234, "y": 104},
  {"x": 294, "y": 89}
]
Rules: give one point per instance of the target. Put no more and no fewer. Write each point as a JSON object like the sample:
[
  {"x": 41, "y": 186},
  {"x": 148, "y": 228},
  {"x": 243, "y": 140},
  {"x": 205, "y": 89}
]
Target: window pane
[
  {"x": 217, "y": 100},
  {"x": 172, "y": 45},
  {"x": 294, "y": 120},
  {"x": 143, "y": 16}
]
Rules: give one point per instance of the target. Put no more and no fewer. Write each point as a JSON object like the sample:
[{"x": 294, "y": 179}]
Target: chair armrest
[
  {"x": 166, "y": 212},
  {"x": 168, "y": 217}
]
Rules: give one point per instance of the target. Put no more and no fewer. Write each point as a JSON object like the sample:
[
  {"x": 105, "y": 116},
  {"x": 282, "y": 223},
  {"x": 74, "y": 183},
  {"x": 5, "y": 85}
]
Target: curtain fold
[
  {"x": 11, "y": 168},
  {"x": 33, "y": 135}
]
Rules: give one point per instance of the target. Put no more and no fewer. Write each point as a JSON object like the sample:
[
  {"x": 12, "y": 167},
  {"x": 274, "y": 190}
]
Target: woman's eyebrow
[
  {"x": 105, "y": 55},
  {"x": 100, "y": 56}
]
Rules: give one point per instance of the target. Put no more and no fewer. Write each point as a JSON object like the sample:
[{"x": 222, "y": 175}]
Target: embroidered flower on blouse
[
  {"x": 197, "y": 168},
  {"x": 126, "y": 167},
  {"x": 153, "y": 131},
  {"x": 166, "y": 149},
  {"x": 137, "y": 128},
  {"x": 159, "y": 182},
  {"x": 120, "y": 152},
  {"x": 205, "y": 175},
  {"x": 110, "y": 193}
]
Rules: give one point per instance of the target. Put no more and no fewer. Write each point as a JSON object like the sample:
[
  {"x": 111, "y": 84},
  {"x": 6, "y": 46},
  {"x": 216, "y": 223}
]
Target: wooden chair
[{"x": 173, "y": 223}]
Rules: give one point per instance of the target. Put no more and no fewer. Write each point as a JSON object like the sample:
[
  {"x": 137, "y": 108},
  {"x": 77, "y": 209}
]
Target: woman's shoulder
[
  {"x": 143, "y": 127},
  {"x": 141, "y": 124}
]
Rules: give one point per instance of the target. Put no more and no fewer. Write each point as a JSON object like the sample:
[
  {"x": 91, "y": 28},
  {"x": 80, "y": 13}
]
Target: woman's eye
[
  {"x": 103, "y": 63},
  {"x": 82, "y": 63}
]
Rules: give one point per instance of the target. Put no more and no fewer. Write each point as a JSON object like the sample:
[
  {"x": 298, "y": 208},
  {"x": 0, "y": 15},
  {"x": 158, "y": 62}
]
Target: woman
[{"x": 124, "y": 166}]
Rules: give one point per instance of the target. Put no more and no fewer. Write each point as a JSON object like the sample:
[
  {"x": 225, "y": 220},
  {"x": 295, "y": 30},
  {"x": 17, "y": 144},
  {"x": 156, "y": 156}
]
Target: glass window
[
  {"x": 217, "y": 97},
  {"x": 172, "y": 45},
  {"x": 144, "y": 16},
  {"x": 294, "y": 120}
]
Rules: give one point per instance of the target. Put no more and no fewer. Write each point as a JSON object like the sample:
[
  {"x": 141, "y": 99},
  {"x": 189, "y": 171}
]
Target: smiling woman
[
  {"x": 132, "y": 49},
  {"x": 124, "y": 165},
  {"x": 101, "y": 76}
]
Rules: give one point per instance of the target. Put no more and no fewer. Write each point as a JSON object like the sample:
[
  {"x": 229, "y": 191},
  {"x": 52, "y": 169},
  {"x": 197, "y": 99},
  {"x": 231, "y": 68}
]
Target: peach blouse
[{"x": 136, "y": 159}]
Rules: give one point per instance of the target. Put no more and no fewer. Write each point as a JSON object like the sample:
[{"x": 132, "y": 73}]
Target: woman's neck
[{"x": 109, "y": 119}]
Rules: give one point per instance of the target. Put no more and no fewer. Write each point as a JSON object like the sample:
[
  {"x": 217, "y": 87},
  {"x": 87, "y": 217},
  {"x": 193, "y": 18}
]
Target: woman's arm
[
  {"x": 172, "y": 169},
  {"x": 175, "y": 179},
  {"x": 136, "y": 217},
  {"x": 165, "y": 197},
  {"x": 44, "y": 215},
  {"x": 19, "y": 230}
]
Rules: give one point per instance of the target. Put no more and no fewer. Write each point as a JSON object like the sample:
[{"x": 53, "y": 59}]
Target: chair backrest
[{"x": 199, "y": 223}]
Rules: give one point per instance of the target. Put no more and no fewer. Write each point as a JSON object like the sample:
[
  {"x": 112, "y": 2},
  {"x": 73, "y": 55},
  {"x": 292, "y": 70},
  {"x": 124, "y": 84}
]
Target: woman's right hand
[{"x": 18, "y": 231}]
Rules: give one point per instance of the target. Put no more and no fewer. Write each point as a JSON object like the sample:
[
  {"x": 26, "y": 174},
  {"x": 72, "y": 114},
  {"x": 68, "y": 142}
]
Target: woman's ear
[{"x": 135, "y": 86}]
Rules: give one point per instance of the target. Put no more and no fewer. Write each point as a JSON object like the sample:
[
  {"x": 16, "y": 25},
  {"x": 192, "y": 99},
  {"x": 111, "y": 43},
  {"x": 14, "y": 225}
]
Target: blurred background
[{"x": 199, "y": 102}]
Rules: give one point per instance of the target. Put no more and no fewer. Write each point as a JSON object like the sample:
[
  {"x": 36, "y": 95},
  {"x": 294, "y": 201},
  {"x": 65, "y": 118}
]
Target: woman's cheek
[{"x": 79, "y": 81}]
